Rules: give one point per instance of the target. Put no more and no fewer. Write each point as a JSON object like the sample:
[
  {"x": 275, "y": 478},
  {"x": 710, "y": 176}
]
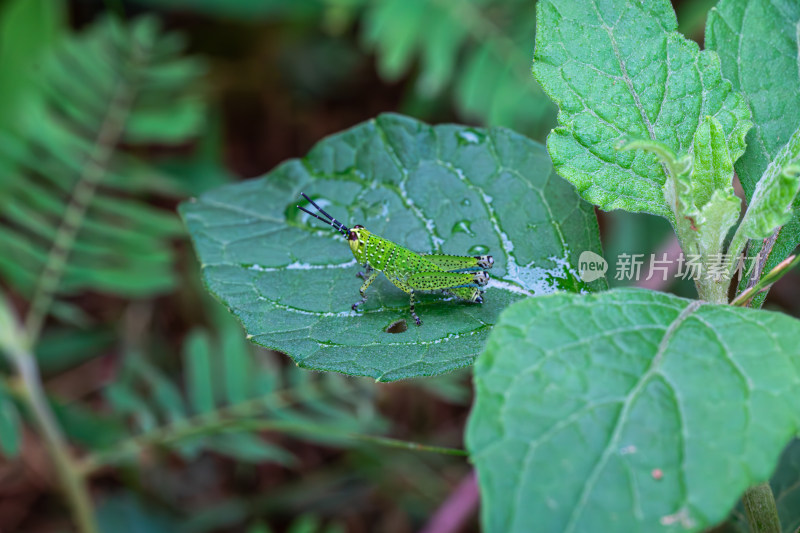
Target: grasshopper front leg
[
  {"x": 367, "y": 272},
  {"x": 369, "y": 277}
]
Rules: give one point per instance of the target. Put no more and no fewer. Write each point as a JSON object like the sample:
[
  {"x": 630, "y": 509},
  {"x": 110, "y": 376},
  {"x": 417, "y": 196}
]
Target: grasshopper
[{"x": 460, "y": 276}]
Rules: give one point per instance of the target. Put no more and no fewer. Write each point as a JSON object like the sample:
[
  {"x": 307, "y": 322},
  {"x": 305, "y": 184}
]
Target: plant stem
[
  {"x": 72, "y": 481},
  {"x": 759, "y": 506},
  {"x": 172, "y": 435}
]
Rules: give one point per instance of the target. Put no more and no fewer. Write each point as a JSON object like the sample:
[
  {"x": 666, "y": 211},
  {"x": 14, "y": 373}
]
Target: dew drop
[
  {"x": 462, "y": 226},
  {"x": 469, "y": 136},
  {"x": 465, "y": 202},
  {"x": 478, "y": 249}
]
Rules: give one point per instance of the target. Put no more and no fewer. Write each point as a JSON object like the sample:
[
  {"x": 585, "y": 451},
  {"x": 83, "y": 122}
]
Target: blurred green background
[{"x": 111, "y": 113}]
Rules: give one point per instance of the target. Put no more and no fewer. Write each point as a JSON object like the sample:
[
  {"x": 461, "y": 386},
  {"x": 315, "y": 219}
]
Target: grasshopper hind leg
[{"x": 413, "y": 311}]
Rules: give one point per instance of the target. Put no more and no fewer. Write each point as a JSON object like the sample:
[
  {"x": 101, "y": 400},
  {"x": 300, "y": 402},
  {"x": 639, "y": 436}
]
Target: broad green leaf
[
  {"x": 291, "y": 280},
  {"x": 620, "y": 70},
  {"x": 629, "y": 410},
  {"x": 757, "y": 41}
]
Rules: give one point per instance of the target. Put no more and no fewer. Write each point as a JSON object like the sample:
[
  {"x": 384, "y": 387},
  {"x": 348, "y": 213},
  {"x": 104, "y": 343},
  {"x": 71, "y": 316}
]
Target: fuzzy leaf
[
  {"x": 771, "y": 204},
  {"x": 708, "y": 203},
  {"x": 291, "y": 280},
  {"x": 621, "y": 70},
  {"x": 757, "y": 41},
  {"x": 594, "y": 412},
  {"x": 712, "y": 168}
]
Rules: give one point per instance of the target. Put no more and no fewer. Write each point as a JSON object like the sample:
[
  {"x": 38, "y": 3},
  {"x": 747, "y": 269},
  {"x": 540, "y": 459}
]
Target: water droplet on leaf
[
  {"x": 462, "y": 226},
  {"x": 478, "y": 249}
]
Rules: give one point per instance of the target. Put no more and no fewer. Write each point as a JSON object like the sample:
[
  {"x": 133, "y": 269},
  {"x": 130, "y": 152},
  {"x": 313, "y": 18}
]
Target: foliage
[
  {"x": 478, "y": 49},
  {"x": 621, "y": 410},
  {"x": 232, "y": 392},
  {"x": 446, "y": 189},
  {"x": 473, "y": 53},
  {"x": 597, "y": 410},
  {"x": 575, "y": 393},
  {"x": 751, "y": 52},
  {"x": 75, "y": 218}
]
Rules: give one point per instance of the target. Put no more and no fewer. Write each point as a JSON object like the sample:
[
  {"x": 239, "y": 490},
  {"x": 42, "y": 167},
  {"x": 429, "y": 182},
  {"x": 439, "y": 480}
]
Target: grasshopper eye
[
  {"x": 352, "y": 236},
  {"x": 358, "y": 226}
]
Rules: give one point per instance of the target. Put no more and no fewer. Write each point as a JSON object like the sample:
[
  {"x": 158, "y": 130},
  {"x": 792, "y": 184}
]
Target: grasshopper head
[{"x": 358, "y": 243}]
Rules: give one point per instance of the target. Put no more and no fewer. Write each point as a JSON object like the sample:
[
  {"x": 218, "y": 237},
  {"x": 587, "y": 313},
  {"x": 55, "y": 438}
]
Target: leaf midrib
[{"x": 626, "y": 407}]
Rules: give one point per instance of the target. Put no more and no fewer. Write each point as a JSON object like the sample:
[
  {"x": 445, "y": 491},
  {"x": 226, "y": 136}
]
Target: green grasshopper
[{"x": 460, "y": 276}]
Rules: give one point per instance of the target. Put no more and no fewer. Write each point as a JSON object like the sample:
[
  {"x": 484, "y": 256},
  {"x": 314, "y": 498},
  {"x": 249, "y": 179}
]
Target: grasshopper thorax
[{"x": 357, "y": 238}]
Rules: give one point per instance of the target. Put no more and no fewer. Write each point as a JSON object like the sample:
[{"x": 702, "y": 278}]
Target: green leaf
[
  {"x": 707, "y": 202},
  {"x": 248, "y": 448},
  {"x": 73, "y": 223},
  {"x": 27, "y": 29},
  {"x": 237, "y": 368},
  {"x": 594, "y": 412},
  {"x": 756, "y": 39},
  {"x": 479, "y": 50},
  {"x": 199, "y": 372},
  {"x": 619, "y": 71},
  {"x": 771, "y": 204},
  {"x": 10, "y": 425},
  {"x": 291, "y": 280},
  {"x": 772, "y": 199},
  {"x": 63, "y": 348}
]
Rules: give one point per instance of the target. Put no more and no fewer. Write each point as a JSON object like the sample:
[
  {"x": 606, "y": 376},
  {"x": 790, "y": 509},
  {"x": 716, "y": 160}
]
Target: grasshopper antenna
[{"x": 341, "y": 228}]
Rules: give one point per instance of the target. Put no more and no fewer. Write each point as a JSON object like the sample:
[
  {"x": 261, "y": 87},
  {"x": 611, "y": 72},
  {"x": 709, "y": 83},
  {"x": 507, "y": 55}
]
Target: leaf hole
[{"x": 398, "y": 326}]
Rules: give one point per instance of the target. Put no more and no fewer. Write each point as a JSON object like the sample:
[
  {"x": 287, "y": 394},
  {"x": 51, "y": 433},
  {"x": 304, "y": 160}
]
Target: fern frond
[
  {"x": 73, "y": 191},
  {"x": 231, "y": 392},
  {"x": 482, "y": 49}
]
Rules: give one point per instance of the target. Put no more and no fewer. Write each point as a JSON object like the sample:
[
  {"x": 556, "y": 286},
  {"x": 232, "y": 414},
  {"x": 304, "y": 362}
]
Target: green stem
[
  {"x": 759, "y": 506},
  {"x": 72, "y": 481},
  {"x": 172, "y": 435}
]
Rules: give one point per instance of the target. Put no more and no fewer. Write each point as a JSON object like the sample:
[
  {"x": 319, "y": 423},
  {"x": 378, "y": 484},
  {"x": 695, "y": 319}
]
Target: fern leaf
[
  {"x": 481, "y": 48},
  {"x": 77, "y": 216}
]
